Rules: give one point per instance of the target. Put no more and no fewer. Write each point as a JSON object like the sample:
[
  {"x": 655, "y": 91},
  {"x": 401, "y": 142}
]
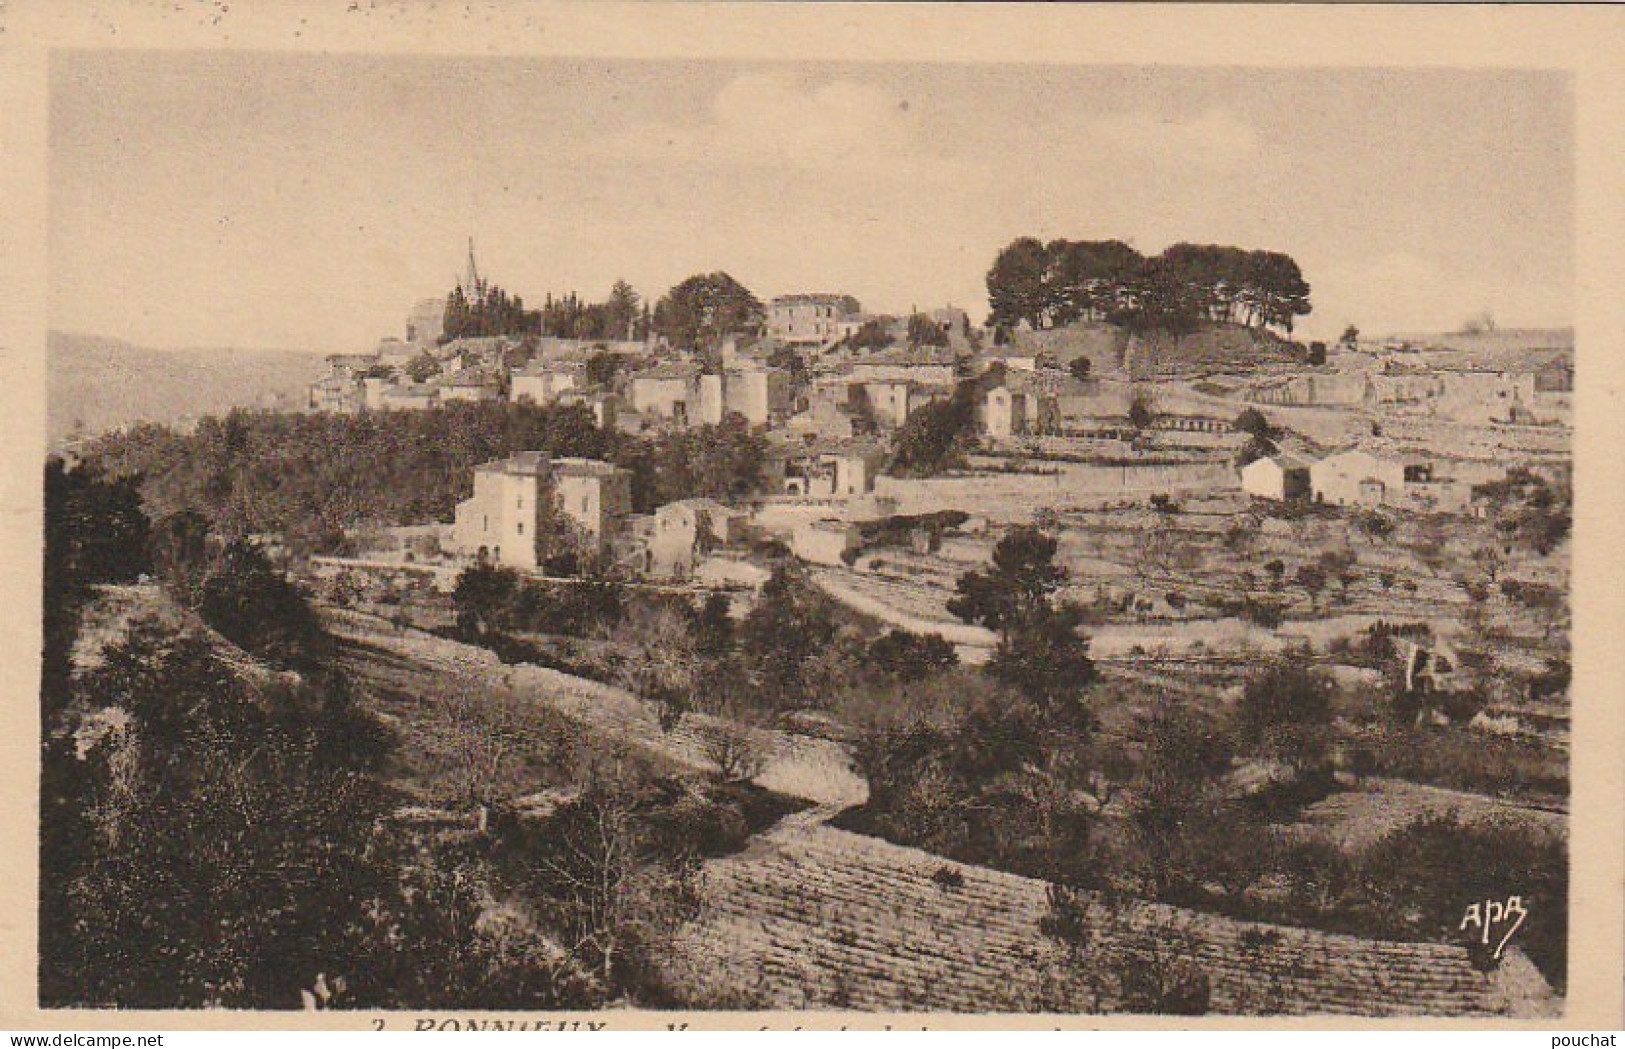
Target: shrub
[
  {"x": 1421, "y": 876},
  {"x": 1266, "y": 614},
  {"x": 1285, "y": 693},
  {"x": 904, "y": 656}
]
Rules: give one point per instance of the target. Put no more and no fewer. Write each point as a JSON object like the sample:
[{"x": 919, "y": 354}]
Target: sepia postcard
[{"x": 760, "y": 516}]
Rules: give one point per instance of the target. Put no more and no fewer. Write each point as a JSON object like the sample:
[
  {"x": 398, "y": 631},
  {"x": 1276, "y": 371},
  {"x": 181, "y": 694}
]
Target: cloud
[
  {"x": 778, "y": 121},
  {"x": 1215, "y": 140},
  {"x": 833, "y": 124}
]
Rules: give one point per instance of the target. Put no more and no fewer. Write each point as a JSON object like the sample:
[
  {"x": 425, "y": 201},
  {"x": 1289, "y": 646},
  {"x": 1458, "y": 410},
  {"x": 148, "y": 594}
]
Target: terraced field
[
  {"x": 421, "y": 664},
  {"x": 812, "y": 917}
]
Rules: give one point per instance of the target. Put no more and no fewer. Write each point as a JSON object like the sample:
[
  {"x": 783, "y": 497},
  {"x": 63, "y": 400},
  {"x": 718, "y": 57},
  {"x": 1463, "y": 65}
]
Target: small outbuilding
[{"x": 1281, "y": 477}]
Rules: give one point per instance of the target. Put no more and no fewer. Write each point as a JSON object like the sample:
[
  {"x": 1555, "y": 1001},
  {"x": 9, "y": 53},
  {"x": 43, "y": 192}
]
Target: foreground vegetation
[
  {"x": 309, "y": 477},
  {"x": 218, "y": 837}
]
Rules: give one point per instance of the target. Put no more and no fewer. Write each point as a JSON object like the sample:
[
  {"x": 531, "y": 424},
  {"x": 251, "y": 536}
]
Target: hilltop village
[
  {"x": 1117, "y": 651},
  {"x": 1408, "y": 426}
]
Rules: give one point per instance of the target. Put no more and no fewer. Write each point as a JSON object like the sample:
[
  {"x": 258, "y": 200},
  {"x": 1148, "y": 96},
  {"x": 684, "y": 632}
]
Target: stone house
[
  {"x": 469, "y": 384},
  {"x": 681, "y": 534},
  {"x": 826, "y": 541},
  {"x": 412, "y": 396},
  {"x": 511, "y": 517},
  {"x": 1280, "y": 477},
  {"x": 844, "y": 470},
  {"x": 759, "y": 393},
  {"x": 810, "y": 319},
  {"x": 542, "y": 382},
  {"x": 1360, "y": 478},
  {"x": 928, "y": 367},
  {"x": 667, "y": 391}
]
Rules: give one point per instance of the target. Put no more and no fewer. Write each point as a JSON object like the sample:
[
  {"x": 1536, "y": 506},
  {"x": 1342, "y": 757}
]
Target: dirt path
[{"x": 1110, "y": 641}]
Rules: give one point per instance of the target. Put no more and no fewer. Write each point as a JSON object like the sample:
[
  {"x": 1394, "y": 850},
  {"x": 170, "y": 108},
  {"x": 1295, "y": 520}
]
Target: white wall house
[{"x": 1278, "y": 477}]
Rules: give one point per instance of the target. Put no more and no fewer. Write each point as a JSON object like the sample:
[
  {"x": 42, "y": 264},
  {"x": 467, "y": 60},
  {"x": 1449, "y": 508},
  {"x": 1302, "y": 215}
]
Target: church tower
[{"x": 470, "y": 283}]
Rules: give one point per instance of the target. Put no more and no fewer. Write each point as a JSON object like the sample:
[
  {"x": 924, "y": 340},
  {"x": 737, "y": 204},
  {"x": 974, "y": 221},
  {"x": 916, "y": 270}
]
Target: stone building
[
  {"x": 542, "y": 382},
  {"x": 811, "y": 320},
  {"x": 681, "y": 534},
  {"x": 427, "y": 322},
  {"x": 514, "y": 516},
  {"x": 1280, "y": 477}
]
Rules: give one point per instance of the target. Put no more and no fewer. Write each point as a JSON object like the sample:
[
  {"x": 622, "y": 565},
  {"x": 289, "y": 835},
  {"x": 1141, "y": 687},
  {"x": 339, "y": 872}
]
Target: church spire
[{"x": 471, "y": 280}]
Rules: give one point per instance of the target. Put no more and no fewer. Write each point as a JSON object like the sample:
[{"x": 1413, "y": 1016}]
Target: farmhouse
[
  {"x": 1028, "y": 403},
  {"x": 407, "y": 397},
  {"x": 667, "y": 391},
  {"x": 825, "y": 541},
  {"x": 926, "y": 367},
  {"x": 1279, "y": 477},
  {"x": 840, "y": 470},
  {"x": 1360, "y": 478},
  {"x": 679, "y": 535},
  {"x": 514, "y": 513},
  {"x": 541, "y": 382},
  {"x": 469, "y": 384}
]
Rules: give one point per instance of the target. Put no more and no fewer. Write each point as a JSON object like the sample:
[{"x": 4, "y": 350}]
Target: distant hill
[
  {"x": 96, "y": 384},
  {"x": 1112, "y": 351},
  {"x": 1510, "y": 348},
  {"x": 1501, "y": 340}
]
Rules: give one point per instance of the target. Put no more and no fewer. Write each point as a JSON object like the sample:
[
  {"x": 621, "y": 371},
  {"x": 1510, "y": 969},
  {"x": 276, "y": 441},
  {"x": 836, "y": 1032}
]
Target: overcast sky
[{"x": 305, "y": 202}]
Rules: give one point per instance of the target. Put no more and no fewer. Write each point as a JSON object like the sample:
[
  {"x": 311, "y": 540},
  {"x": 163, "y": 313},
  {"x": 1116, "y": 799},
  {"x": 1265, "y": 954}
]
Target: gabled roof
[
  {"x": 413, "y": 389},
  {"x": 1284, "y": 460},
  {"x": 905, "y": 357}
]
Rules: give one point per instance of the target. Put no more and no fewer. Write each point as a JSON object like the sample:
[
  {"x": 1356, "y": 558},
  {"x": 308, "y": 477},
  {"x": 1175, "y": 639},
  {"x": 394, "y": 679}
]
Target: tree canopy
[
  {"x": 623, "y": 315},
  {"x": 488, "y": 311},
  {"x": 702, "y": 310},
  {"x": 1047, "y": 285}
]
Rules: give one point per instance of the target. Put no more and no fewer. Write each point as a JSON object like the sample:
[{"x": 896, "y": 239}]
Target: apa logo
[{"x": 1492, "y": 916}]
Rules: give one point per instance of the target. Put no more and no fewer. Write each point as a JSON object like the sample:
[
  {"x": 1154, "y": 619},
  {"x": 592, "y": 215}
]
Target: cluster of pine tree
[
  {"x": 623, "y": 316},
  {"x": 1047, "y": 285},
  {"x": 488, "y": 312}
]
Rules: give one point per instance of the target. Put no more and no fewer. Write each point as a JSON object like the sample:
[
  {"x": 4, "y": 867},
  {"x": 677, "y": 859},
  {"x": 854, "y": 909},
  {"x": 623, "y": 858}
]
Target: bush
[
  {"x": 1266, "y": 614},
  {"x": 255, "y": 606},
  {"x": 1285, "y": 693},
  {"x": 1421, "y": 876},
  {"x": 1462, "y": 758},
  {"x": 904, "y": 656}
]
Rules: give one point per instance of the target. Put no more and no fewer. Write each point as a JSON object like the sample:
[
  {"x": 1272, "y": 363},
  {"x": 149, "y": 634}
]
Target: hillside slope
[
  {"x": 97, "y": 384},
  {"x": 1114, "y": 352}
]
